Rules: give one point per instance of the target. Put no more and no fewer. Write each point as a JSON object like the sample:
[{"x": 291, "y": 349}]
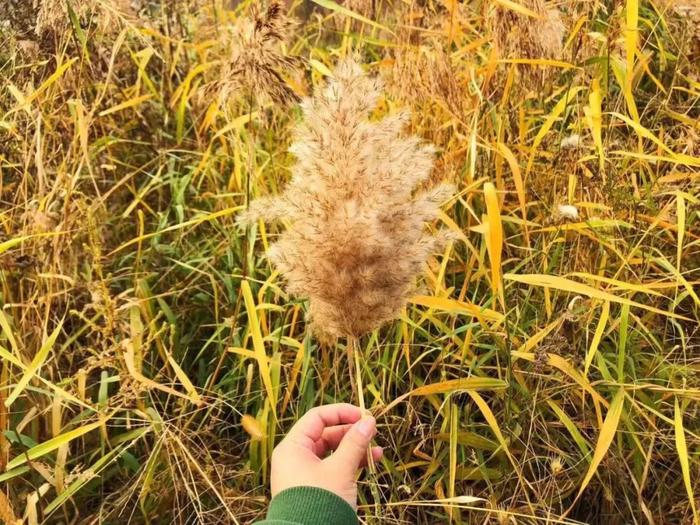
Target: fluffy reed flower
[
  {"x": 255, "y": 61},
  {"x": 53, "y": 15},
  {"x": 356, "y": 236},
  {"x": 520, "y": 36}
]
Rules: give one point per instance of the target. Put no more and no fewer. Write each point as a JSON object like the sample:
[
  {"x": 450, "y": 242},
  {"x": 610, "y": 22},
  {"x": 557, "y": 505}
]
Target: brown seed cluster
[
  {"x": 356, "y": 236},
  {"x": 256, "y": 62}
]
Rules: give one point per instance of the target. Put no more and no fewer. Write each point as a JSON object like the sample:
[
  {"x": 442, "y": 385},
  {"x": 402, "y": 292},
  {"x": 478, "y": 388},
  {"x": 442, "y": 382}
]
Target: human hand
[{"x": 300, "y": 458}]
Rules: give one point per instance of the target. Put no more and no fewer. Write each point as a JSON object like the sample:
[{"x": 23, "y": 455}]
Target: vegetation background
[{"x": 547, "y": 370}]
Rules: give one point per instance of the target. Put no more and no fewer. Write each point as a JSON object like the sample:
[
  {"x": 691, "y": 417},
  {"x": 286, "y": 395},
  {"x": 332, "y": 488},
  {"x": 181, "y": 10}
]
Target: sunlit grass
[{"x": 547, "y": 369}]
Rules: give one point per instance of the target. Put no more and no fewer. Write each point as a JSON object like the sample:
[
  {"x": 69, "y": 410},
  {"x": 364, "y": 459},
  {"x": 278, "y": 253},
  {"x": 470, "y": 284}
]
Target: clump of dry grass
[
  {"x": 254, "y": 57},
  {"x": 356, "y": 238},
  {"x": 426, "y": 74},
  {"x": 517, "y": 35},
  {"x": 54, "y": 16}
]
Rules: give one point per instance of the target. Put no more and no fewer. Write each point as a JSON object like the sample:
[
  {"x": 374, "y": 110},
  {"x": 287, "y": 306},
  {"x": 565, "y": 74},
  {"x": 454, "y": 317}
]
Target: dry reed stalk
[{"x": 356, "y": 237}]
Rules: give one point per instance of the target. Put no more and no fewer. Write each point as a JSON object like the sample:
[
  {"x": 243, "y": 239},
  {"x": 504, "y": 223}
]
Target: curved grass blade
[
  {"x": 607, "y": 434},
  {"x": 36, "y": 363}
]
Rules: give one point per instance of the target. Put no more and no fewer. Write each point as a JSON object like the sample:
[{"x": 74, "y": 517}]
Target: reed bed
[{"x": 213, "y": 212}]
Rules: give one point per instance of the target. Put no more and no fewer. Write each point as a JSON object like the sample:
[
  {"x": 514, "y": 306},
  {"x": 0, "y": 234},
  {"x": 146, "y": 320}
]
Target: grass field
[{"x": 545, "y": 368}]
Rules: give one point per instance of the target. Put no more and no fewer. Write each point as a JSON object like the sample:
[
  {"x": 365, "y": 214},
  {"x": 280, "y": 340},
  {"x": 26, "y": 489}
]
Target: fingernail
[{"x": 366, "y": 426}]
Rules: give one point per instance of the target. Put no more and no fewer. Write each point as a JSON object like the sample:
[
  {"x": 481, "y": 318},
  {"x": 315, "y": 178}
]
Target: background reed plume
[
  {"x": 356, "y": 238},
  {"x": 255, "y": 61},
  {"x": 518, "y": 35}
]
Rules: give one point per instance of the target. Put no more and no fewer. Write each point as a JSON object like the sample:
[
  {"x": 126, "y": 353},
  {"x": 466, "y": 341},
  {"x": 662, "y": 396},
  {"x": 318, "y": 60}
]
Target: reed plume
[
  {"x": 54, "y": 16},
  {"x": 520, "y": 36},
  {"x": 356, "y": 236},
  {"x": 256, "y": 61}
]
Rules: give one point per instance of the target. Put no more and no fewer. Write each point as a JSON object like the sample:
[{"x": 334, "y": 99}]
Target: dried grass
[
  {"x": 138, "y": 194},
  {"x": 518, "y": 36}
]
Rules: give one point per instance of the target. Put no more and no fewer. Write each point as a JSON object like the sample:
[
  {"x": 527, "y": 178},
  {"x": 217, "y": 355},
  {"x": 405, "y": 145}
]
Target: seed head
[
  {"x": 520, "y": 36},
  {"x": 256, "y": 61},
  {"x": 356, "y": 237}
]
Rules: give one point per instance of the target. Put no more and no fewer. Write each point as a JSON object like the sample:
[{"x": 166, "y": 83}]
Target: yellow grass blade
[
  {"x": 334, "y": 6},
  {"x": 591, "y": 224},
  {"x": 130, "y": 362},
  {"x": 682, "y": 449},
  {"x": 126, "y": 105},
  {"x": 248, "y": 354},
  {"x": 455, "y": 228},
  {"x": 321, "y": 68},
  {"x": 517, "y": 178},
  {"x": 494, "y": 239},
  {"x": 80, "y": 481},
  {"x": 184, "y": 88},
  {"x": 600, "y": 329},
  {"x": 594, "y": 121},
  {"x": 514, "y": 6},
  {"x": 12, "y": 243},
  {"x": 676, "y": 159},
  {"x": 467, "y": 383},
  {"x": 60, "y": 70},
  {"x": 451, "y": 385},
  {"x": 621, "y": 285},
  {"x": 237, "y": 124},
  {"x": 680, "y": 218},
  {"x": 631, "y": 38},
  {"x": 605, "y": 438},
  {"x": 259, "y": 345},
  {"x": 553, "y": 116},
  {"x": 38, "y": 360},
  {"x": 182, "y": 377},
  {"x": 454, "y": 427},
  {"x": 644, "y": 132},
  {"x": 571, "y": 427},
  {"x": 544, "y": 62},
  {"x": 186, "y": 224},
  {"x": 567, "y": 285},
  {"x": 493, "y": 424},
  {"x": 564, "y": 366},
  {"x": 52, "y": 444},
  {"x": 536, "y": 339},
  {"x": 456, "y": 307},
  {"x": 7, "y": 332},
  {"x": 678, "y": 276}
]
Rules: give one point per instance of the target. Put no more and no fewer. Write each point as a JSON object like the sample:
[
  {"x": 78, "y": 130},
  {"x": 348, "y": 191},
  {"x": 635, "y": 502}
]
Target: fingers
[
  {"x": 377, "y": 453},
  {"x": 330, "y": 439},
  {"x": 310, "y": 427},
  {"x": 351, "y": 453}
]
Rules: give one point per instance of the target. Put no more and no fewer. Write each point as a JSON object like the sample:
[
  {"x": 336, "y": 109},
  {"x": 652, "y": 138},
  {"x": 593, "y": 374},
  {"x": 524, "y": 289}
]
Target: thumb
[{"x": 353, "y": 448}]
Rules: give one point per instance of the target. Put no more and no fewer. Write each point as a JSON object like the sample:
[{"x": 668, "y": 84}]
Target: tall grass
[{"x": 546, "y": 371}]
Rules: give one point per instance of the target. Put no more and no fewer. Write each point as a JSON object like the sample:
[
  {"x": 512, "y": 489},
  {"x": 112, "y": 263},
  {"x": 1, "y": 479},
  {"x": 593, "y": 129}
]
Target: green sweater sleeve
[{"x": 309, "y": 506}]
